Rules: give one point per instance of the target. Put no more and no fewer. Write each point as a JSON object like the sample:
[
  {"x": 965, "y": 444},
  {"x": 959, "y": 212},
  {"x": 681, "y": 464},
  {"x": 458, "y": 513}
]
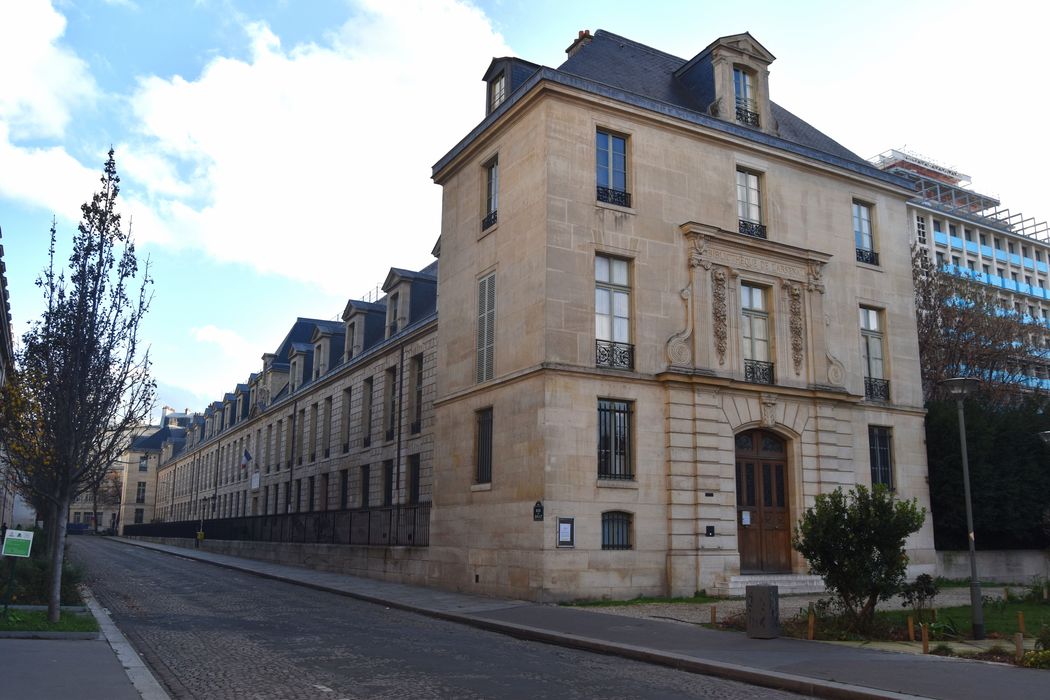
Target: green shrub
[
  {"x": 919, "y": 595},
  {"x": 1042, "y": 637},
  {"x": 855, "y": 542},
  {"x": 1036, "y": 659}
]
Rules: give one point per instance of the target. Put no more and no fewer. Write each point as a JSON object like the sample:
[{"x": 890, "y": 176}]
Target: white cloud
[
  {"x": 42, "y": 82},
  {"x": 230, "y": 343},
  {"x": 313, "y": 161},
  {"x": 48, "y": 177}
]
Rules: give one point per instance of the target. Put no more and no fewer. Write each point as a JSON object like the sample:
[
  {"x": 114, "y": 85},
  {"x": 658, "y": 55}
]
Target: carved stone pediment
[{"x": 715, "y": 246}]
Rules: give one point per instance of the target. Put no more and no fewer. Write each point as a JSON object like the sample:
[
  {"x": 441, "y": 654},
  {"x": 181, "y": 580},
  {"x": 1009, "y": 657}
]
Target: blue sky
[{"x": 275, "y": 155}]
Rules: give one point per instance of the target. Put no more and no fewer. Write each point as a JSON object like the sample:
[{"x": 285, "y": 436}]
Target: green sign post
[{"x": 18, "y": 543}]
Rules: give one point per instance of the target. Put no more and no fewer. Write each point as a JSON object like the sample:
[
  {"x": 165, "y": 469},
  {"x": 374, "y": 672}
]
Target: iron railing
[
  {"x": 876, "y": 389},
  {"x": 752, "y": 228},
  {"x": 865, "y": 255},
  {"x": 489, "y": 220},
  {"x": 758, "y": 372},
  {"x": 608, "y": 353},
  {"x": 389, "y": 526},
  {"x": 746, "y": 116},
  {"x": 611, "y": 196}
]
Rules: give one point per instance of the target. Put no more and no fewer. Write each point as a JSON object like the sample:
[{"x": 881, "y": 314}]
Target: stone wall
[{"x": 1001, "y": 566}]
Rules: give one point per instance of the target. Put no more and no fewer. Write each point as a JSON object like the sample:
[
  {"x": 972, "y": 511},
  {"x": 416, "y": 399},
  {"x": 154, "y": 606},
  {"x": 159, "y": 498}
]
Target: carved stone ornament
[
  {"x": 698, "y": 253},
  {"x": 836, "y": 370},
  {"x": 795, "y": 304},
  {"x": 679, "y": 351},
  {"x": 816, "y": 276},
  {"x": 769, "y": 410},
  {"x": 718, "y": 312}
]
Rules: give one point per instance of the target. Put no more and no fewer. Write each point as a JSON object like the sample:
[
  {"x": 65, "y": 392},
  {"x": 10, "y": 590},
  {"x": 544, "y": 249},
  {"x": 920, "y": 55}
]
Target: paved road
[{"x": 209, "y": 632}]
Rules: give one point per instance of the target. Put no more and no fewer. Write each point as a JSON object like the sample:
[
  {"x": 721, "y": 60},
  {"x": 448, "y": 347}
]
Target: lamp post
[{"x": 959, "y": 388}]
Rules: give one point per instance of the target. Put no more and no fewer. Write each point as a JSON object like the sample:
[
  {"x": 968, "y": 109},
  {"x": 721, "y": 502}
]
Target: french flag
[{"x": 246, "y": 459}]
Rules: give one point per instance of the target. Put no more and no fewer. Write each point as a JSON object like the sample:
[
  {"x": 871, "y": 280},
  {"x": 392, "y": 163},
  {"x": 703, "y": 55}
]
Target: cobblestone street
[{"x": 209, "y": 632}]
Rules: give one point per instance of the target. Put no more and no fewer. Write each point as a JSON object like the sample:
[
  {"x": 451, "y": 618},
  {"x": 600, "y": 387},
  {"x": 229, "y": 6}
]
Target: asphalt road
[{"x": 209, "y": 632}]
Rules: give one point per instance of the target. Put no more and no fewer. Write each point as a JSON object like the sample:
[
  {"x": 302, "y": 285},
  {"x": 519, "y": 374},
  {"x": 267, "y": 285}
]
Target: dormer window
[
  {"x": 497, "y": 91},
  {"x": 318, "y": 360},
  {"x": 351, "y": 332},
  {"x": 294, "y": 374},
  {"x": 392, "y": 318},
  {"x": 746, "y": 106}
]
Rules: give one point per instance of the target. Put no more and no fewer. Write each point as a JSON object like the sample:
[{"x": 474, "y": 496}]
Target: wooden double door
[{"x": 763, "y": 517}]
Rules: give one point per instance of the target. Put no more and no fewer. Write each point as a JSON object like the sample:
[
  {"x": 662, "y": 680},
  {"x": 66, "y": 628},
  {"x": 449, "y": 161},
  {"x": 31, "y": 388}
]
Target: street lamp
[{"x": 959, "y": 388}]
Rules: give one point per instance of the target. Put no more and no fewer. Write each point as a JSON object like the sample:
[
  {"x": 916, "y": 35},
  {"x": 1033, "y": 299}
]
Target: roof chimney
[
  {"x": 166, "y": 410},
  {"x": 582, "y": 40}
]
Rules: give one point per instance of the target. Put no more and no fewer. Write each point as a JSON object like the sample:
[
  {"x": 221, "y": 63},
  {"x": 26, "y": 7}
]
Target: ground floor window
[
  {"x": 140, "y": 515},
  {"x": 880, "y": 443},
  {"x": 616, "y": 530}
]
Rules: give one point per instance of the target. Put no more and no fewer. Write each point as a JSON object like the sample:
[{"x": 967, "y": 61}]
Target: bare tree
[
  {"x": 967, "y": 330},
  {"x": 82, "y": 383}
]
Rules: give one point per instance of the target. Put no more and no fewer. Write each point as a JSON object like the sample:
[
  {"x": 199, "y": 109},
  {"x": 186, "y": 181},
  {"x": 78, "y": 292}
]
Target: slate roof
[{"x": 625, "y": 70}]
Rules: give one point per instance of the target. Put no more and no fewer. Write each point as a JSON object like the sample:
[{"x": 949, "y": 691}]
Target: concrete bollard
[{"x": 763, "y": 612}]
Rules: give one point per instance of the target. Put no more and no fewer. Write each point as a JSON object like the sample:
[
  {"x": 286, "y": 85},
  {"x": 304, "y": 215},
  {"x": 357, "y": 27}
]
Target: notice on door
[{"x": 745, "y": 517}]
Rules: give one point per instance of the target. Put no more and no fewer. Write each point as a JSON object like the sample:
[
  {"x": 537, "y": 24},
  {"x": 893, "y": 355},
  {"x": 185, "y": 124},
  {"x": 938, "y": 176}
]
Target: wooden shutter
[{"x": 486, "y": 339}]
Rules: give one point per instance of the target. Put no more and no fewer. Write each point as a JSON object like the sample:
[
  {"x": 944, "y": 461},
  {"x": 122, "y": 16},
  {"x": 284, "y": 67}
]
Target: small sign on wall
[
  {"x": 537, "y": 511},
  {"x": 566, "y": 532}
]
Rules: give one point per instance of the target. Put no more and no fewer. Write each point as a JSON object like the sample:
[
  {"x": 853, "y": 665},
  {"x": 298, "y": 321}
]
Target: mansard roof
[
  {"x": 396, "y": 274},
  {"x": 617, "y": 68},
  {"x": 364, "y": 306}
]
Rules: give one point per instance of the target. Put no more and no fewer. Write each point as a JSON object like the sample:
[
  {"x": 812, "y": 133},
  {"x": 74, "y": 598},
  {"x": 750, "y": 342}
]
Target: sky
[{"x": 275, "y": 156}]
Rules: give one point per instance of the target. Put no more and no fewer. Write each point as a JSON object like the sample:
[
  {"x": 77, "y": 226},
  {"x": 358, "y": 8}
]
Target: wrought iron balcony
[
  {"x": 489, "y": 220},
  {"x": 613, "y": 355},
  {"x": 611, "y": 196},
  {"x": 746, "y": 116},
  {"x": 876, "y": 389},
  {"x": 752, "y": 228},
  {"x": 867, "y": 256},
  {"x": 758, "y": 372}
]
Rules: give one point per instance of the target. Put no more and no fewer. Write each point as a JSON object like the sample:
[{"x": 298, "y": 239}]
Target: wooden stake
[
  {"x": 911, "y": 629},
  {"x": 1018, "y": 645},
  {"x": 1020, "y": 621},
  {"x": 925, "y": 639},
  {"x": 1046, "y": 592},
  {"x": 714, "y": 614},
  {"x": 812, "y": 632},
  {"x": 933, "y": 614}
]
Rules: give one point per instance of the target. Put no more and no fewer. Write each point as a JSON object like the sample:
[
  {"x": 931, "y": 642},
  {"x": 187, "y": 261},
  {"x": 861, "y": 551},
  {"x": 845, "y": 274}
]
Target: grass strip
[{"x": 36, "y": 621}]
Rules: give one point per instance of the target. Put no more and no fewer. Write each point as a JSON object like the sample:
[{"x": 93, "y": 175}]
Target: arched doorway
[{"x": 763, "y": 521}]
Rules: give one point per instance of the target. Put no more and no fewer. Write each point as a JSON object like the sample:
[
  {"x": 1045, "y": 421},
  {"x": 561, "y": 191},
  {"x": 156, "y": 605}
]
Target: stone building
[{"x": 672, "y": 313}]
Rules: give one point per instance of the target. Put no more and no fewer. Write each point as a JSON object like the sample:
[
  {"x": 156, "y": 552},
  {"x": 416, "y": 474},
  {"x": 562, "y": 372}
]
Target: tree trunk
[
  {"x": 94, "y": 508},
  {"x": 58, "y": 537}
]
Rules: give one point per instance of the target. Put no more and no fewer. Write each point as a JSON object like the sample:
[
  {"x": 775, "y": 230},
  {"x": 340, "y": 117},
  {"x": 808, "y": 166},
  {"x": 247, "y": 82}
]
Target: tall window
[
  {"x": 388, "y": 482},
  {"x": 366, "y": 485},
  {"x": 880, "y": 447},
  {"x": 140, "y": 492},
  {"x": 417, "y": 393},
  {"x": 612, "y": 313},
  {"x": 144, "y": 463},
  {"x": 366, "y": 413},
  {"x": 920, "y": 229},
  {"x": 486, "y": 341},
  {"x": 612, "y": 168},
  {"x": 345, "y": 427},
  {"x": 749, "y": 204},
  {"x": 413, "y": 479},
  {"x": 393, "y": 310},
  {"x": 313, "y": 432},
  {"x": 483, "y": 446},
  {"x": 616, "y": 530},
  {"x": 871, "y": 342},
  {"x": 390, "y": 402},
  {"x": 497, "y": 91},
  {"x": 744, "y": 87},
  {"x": 344, "y": 487},
  {"x": 326, "y": 427},
  {"x": 140, "y": 516},
  {"x": 491, "y": 193},
  {"x": 754, "y": 326},
  {"x": 614, "y": 440},
  {"x": 277, "y": 447},
  {"x": 862, "y": 234}
]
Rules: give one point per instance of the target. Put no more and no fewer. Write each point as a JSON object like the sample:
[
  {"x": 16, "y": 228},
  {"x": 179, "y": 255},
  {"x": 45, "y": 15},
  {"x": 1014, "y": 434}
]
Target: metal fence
[{"x": 390, "y": 526}]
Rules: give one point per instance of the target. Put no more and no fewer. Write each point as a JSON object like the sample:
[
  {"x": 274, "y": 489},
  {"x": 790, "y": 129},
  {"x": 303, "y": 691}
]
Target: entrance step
[{"x": 787, "y": 584}]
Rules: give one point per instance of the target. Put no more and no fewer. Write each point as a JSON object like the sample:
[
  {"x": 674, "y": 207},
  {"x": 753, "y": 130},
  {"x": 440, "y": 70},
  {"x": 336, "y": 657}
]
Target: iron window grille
[
  {"x": 613, "y": 355},
  {"x": 752, "y": 228},
  {"x": 489, "y": 221},
  {"x": 483, "y": 446},
  {"x": 746, "y": 117},
  {"x": 616, "y": 530},
  {"x": 758, "y": 372},
  {"x": 614, "y": 440},
  {"x": 880, "y": 440},
  {"x": 609, "y": 195},
  {"x": 876, "y": 389},
  {"x": 867, "y": 256}
]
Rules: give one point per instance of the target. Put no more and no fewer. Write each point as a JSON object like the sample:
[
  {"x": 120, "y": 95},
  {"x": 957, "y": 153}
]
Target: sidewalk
[{"x": 810, "y": 668}]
